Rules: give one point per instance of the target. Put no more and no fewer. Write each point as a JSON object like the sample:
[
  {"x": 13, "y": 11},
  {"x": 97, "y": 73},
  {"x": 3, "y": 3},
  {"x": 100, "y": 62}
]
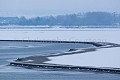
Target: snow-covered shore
[{"x": 108, "y": 57}]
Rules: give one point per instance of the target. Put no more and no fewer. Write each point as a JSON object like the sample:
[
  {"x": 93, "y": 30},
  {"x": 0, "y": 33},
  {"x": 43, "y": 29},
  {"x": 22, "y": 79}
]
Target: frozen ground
[
  {"x": 86, "y": 35},
  {"x": 108, "y": 57}
]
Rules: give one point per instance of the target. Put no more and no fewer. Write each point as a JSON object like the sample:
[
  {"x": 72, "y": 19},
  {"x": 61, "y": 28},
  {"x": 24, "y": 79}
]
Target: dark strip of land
[{"x": 97, "y": 44}]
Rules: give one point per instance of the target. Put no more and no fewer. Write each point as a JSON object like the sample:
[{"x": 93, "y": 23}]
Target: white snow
[
  {"x": 107, "y": 57},
  {"x": 86, "y": 35}
]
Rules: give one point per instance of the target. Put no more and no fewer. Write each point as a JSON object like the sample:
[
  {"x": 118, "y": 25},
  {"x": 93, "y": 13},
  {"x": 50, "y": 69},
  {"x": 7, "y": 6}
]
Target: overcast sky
[{"x": 55, "y": 7}]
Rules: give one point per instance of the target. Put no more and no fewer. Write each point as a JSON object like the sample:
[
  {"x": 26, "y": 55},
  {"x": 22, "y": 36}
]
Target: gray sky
[{"x": 55, "y": 7}]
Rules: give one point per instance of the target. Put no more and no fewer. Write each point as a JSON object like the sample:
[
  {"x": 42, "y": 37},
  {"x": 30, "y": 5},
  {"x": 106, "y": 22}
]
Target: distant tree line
[{"x": 80, "y": 19}]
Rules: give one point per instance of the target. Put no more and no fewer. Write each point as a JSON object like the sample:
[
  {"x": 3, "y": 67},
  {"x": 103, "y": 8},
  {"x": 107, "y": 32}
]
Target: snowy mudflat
[{"x": 104, "y": 57}]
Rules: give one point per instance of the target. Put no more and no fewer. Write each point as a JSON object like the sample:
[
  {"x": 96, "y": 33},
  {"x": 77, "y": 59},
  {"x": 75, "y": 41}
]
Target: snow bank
[{"x": 107, "y": 57}]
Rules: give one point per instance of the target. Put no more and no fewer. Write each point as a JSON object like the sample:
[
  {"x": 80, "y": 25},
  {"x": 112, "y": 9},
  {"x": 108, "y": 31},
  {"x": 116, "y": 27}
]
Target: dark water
[{"x": 13, "y": 50}]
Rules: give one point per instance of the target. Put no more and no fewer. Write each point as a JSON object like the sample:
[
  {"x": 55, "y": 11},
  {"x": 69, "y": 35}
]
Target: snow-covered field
[
  {"x": 86, "y": 35},
  {"x": 107, "y": 57}
]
